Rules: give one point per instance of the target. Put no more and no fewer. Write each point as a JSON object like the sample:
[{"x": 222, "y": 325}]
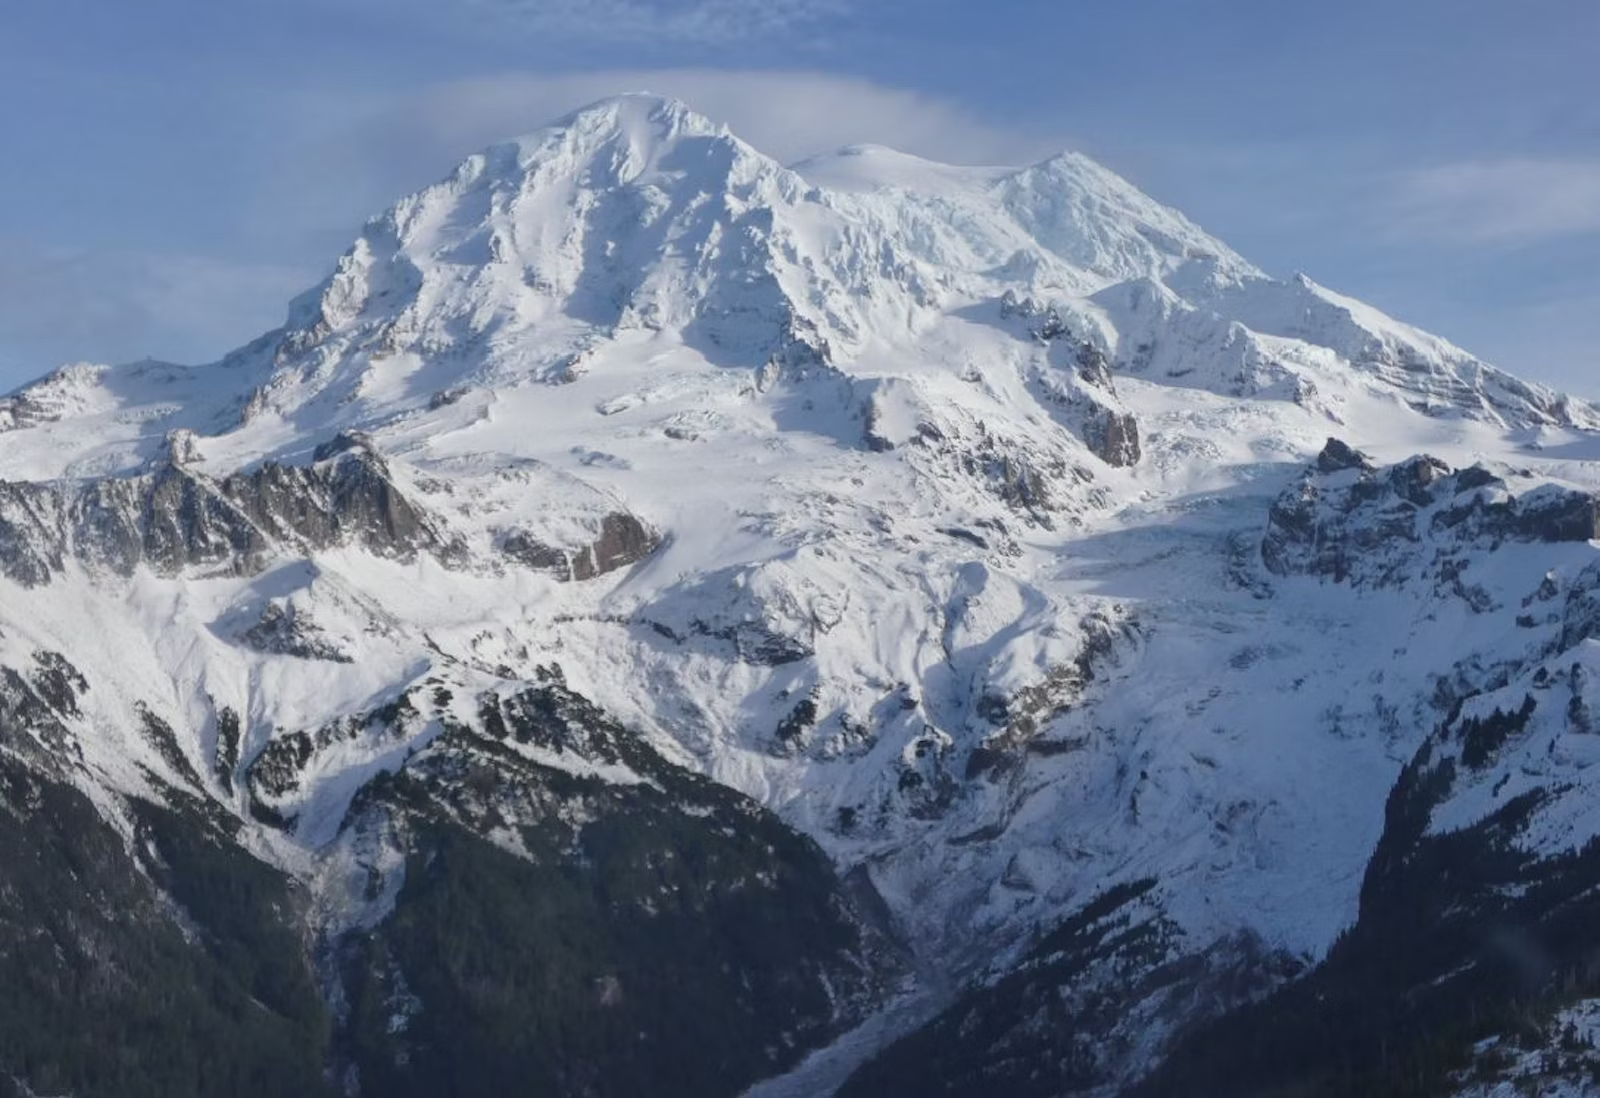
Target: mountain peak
[
  {"x": 635, "y": 106},
  {"x": 643, "y": 120},
  {"x": 984, "y": 522},
  {"x": 612, "y": 141},
  {"x": 638, "y": 218}
]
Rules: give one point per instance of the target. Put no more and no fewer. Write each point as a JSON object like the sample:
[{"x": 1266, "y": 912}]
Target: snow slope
[{"x": 948, "y": 490}]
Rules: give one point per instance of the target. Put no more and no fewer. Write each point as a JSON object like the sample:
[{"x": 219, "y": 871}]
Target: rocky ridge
[{"x": 864, "y": 593}]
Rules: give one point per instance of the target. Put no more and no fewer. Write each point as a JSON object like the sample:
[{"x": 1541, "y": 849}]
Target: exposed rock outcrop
[
  {"x": 1350, "y": 521},
  {"x": 176, "y": 517},
  {"x": 620, "y": 540},
  {"x": 284, "y": 630},
  {"x": 1077, "y": 385}
]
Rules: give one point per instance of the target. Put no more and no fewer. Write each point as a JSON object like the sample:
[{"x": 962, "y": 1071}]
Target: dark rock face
[
  {"x": 168, "y": 519},
  {"x": 1081, "y": 387},
  {"x": 572, "y": 914},
  {"x": 176, "y": 518},
  {"x": 757, "y": 644},
  {"x": 345, "y": 495},
  {"x": 1350, "y": 521},
  {"x": 682, "y": 941},
  {"x": 1021, "y": 716},
  {"x": 226, "y": 757},
  {"x": 1557, "y": 515},
  {"x": 1030, "y": 484},
  {"x": 32, "y": 532},
  {"x": 1085, "y": 395},
  {"x": 1113, "y": 437},
  {"x": 161, "y": 736},
  {"x": 621, "y": 540},
  {"x": 35, "y": 710},
  {"x": 527, "y": 551},
  {"x": 1050, "y": 1027},
  {"x": 277, "y": 769},
  {"x": 286, "y": 631},
  {"x": 1338, "y": 455},
  {"x": 1580, "y": 618},
  {"x": 103, "y": 993}
]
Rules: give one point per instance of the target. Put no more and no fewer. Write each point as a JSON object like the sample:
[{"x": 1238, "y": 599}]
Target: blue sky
[{"x": 174, "y": 170}]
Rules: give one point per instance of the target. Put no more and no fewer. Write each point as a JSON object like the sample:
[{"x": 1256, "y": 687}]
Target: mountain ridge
[{"x": 976, "y": 533}]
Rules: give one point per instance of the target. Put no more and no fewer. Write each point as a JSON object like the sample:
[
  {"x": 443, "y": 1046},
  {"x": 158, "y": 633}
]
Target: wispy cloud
[
  {"x": 59, "y": 304},
  {"x": 786, "y": 114},
  {"x": 338, "y": 156},
  {"x": 1509, "y": 202},
  {"x": 682, "y": 21},
  {"x": 371, "y": 150}
]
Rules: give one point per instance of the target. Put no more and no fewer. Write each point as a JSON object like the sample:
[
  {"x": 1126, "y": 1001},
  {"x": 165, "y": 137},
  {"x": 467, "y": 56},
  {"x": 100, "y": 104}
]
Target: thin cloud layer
[
  {"x": 788, "y": 115},
  {"x": 1510, "y": 202},
  {"x": 710, "y": 22},
  {"x": 370, "y": 151},
  {"x": 340, "y": 157},
  {"x": 54, "y": 304}
]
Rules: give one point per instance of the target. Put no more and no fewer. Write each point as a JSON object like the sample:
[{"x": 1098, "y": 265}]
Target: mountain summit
[
  {"x": 638, "y": 218},
  {"x": 636, "y": 214},
  {"x": 657, "y": 621}
]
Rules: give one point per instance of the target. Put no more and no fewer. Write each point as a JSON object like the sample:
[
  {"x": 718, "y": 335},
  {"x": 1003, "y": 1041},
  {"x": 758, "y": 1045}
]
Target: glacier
[{"x": 997, "y": 529}]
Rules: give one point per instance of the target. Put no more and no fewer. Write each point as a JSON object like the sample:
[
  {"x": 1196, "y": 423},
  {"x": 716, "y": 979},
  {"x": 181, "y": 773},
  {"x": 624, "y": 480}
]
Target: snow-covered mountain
[{"x": 965, "y": 627}]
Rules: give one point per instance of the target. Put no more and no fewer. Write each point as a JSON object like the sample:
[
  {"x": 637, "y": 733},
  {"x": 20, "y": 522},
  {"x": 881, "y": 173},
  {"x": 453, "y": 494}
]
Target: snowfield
[{"x": 923, "y": 504}]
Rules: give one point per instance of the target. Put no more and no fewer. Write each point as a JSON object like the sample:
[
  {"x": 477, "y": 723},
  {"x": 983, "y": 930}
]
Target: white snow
[{"x": 632, "y": 309}]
